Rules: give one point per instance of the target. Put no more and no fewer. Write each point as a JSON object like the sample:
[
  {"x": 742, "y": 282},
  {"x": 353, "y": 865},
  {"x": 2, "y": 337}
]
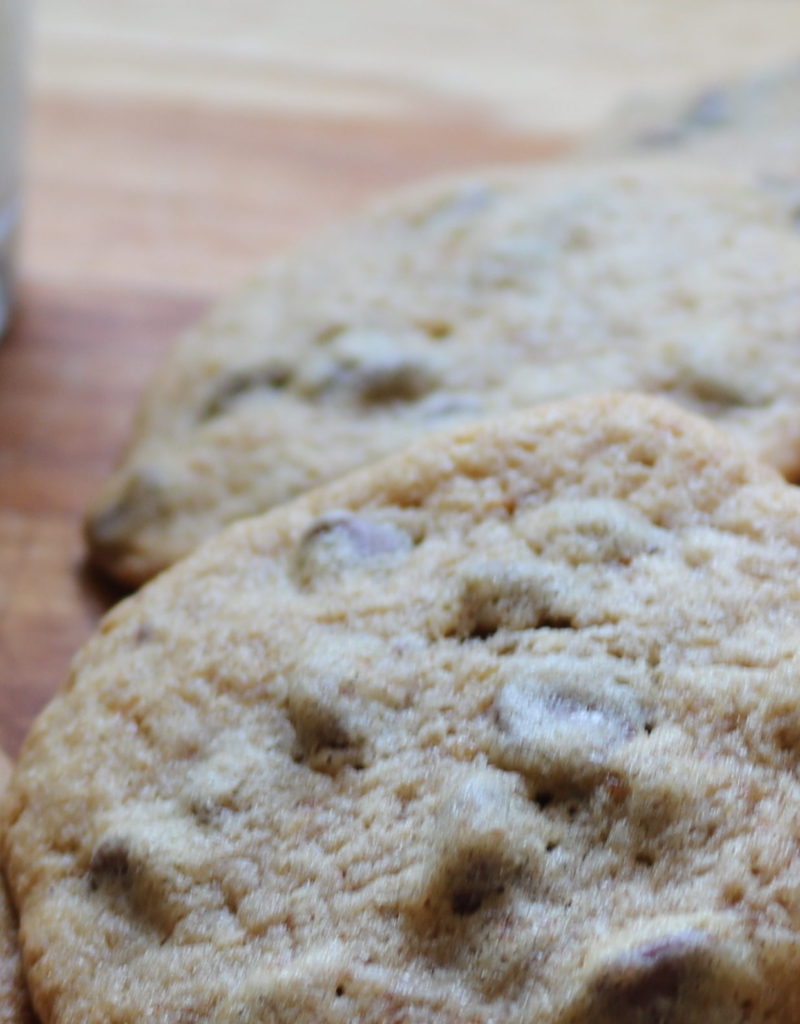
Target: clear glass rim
[
  {"x": 14, "y": 36},
  {"x": 9, "y": 221}
]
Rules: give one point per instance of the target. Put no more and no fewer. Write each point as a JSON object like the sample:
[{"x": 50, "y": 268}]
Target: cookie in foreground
[
  {"x": 460, "y": 301},
  {"x": 504, "y": 728},
  {"x": 14, "y": 1007}
]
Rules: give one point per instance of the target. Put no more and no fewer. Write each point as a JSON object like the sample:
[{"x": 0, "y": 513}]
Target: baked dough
[{"x": 504, "y": 728}]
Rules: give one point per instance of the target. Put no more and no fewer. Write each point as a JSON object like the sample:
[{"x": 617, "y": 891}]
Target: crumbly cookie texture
[
  {"x": 464, "y": 301},
  {"x": 14, "y": 1007},
  {"x": 752, "y": 123},
  {"x": 502, "y": 729}
]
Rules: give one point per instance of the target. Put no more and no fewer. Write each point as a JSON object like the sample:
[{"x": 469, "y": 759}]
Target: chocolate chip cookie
[
  {"x": 463, "y": 301},
  {"x": 14, "y": 1007},
  {"x": 502, "y": 729}
]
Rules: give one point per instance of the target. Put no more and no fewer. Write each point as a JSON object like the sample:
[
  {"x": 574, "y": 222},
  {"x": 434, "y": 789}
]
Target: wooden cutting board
[{"x": 172, "y": 146}]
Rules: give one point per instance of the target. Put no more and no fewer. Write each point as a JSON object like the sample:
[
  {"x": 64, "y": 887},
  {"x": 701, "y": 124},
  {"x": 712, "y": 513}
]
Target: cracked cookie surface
[
  {"x": 504, "y": 728},
  {"x": 465, "y": 300}
]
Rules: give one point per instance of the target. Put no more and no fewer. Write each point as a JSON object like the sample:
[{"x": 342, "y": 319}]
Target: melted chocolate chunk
[
  {"x": 327, "y": 738},
  {"x": 559, "y": 733},
  {"x": 370, "y": 367},
  {"x": 110, "y": 861},
  {"x": 272, "y": 377},
  {"x": 339, "y": 541},
  {"x": 677, "y": 978},
  {"x": 482, "y": 845}
]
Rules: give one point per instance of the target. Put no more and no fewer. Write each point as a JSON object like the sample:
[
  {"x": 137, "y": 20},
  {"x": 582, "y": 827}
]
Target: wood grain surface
[{"x": 173, "y": 145}]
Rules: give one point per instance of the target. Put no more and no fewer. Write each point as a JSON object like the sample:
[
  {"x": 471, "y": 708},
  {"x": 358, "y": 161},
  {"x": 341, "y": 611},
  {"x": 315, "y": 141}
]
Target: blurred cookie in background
[{"x": 459, "y": 301}]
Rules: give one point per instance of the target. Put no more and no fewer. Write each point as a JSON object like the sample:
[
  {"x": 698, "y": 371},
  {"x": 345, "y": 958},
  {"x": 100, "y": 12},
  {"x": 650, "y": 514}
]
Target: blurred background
[
  {"x": 174, "y": 143},
  {"x": 171, "y": 145}
]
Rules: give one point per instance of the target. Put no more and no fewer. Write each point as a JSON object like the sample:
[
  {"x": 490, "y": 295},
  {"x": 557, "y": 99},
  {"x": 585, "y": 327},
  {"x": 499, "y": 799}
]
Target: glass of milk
[{"x": 12, "y": 51}]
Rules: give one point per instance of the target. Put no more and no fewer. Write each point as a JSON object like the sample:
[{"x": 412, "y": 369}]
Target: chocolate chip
[
  {"x": 786, "y": 731},
  {"x": 233, "y": 386},
  {"x": 476, "y": 881},
  {"x": 716, "y": 391},
  {"x": 671, "y": 970},
  {"x": 482, "y": 844},
  {"x": 403, "y": 380},
  {"x": 339, "y": 541},
  {"x": 145, "y": 633},
  {"x": 110, "y": 860},
  {"x": 371, "y": 367},
  {"x": 328, "y": 333},
  {"x": 438, "y": 330},
  {"x": 138, "y": 869},
  {"x": 652, "y": 971},
  {"x": 559, "y": 729},
  {"x": 649, "y": 983},
  {"x": 327, "y": 736}
]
